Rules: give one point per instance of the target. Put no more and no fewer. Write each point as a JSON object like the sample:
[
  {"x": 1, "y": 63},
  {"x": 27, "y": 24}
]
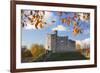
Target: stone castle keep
[{"x": 57, "y": 43}]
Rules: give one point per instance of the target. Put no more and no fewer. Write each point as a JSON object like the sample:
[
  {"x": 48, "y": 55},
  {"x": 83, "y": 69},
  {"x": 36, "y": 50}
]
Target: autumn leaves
[
  {"x": 74, "y": 20},
  {"x": 36, "y": 19}
]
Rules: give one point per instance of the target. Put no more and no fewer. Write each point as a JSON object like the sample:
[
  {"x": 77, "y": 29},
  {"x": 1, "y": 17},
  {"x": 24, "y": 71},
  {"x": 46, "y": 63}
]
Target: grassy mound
[{"x": 65, "y": 56}]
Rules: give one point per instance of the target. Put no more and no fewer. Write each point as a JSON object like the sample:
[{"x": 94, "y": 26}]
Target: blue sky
[{"x": 30, "y": 36}]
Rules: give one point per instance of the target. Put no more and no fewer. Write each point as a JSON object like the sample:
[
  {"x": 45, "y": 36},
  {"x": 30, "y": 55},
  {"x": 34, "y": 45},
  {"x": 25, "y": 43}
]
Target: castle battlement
[{"x": 57, "y": 43}]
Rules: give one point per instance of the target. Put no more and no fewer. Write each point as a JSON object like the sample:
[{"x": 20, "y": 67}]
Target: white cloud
[
  {"x": 60, "y": 28},
  {"x": 82, "y": 15},
  {"x": 29, "y": 25},
  {"x": 47, "y": 16},
  {"x": 84, "y": 43}
]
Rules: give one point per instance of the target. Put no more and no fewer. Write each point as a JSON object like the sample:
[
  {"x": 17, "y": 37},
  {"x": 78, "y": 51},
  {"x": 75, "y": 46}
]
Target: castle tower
[
  {"x": 56, "y": 32},
  {"x": 51, "y": 41}
]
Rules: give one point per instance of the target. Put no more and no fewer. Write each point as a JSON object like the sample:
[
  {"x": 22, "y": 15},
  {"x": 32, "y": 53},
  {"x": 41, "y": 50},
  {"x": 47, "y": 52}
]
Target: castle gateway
[{"x": 57, "y": 43}]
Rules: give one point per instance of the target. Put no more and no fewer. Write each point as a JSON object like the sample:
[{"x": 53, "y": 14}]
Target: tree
[
  {"x": 78, "y": 47},
  {"x": 37, "y": 50},
  {"x": 26, "y": 53}
]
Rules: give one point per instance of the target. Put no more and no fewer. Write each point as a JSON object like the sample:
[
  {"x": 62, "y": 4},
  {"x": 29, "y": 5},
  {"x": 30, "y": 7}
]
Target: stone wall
[{"x": 59, "y": 43}]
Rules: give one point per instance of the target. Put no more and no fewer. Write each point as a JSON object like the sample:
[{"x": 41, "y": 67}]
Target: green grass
[{"x": 64, "y": 56}]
